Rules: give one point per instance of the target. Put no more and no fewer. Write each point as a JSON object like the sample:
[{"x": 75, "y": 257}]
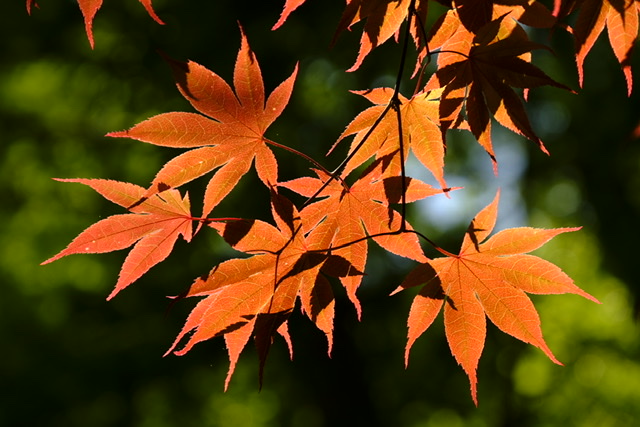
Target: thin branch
[
  {"x": 436, "y": 52},
  {"x": 298, "y": 153},
  {"x": 209, "y": 220},
  {"x": 387, "y": 233},
  {"x": 334, "y": 175},
  {"x": 395, "y": 100},
  {"x": 425, "y": 38},
  {"x": 436, "y": 247},
  {"x": 395, "y": 103}
]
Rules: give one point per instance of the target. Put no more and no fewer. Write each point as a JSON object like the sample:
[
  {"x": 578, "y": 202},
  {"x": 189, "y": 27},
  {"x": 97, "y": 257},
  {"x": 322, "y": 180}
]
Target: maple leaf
[
  {"x": 89, "y": 9},
  {"x": 479, "y": 70},
  {"x": 255, "y": 295},
  {"x": 347, "y": 215},
  {"x": 420, "y": 132},
  {"x": 621, "y": 19},
  {"x": 384, "y": 18},
  {"x": 153, "y": 228},
  {"x": 230, "y": 134},
  {"x": 474, "y": 14},
  {"x": 488, "y": 277}
]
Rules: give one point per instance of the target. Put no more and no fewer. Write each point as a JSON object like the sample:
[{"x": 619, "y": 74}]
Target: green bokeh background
[{"x": 69, "y": 358}]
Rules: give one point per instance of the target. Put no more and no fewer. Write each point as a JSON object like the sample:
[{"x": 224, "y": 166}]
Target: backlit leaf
[
  {"x": 490, "y": 277},
  {"x": 228, "y": 137},
  {"x": 153, "y": 228}
]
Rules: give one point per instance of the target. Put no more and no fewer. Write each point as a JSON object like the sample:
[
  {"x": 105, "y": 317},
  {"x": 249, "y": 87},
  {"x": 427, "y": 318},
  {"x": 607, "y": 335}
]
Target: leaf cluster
[{"x": 484, "y": 71}]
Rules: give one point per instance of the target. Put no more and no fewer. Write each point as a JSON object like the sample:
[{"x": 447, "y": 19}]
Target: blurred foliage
[{"x": 71, "y": 359}]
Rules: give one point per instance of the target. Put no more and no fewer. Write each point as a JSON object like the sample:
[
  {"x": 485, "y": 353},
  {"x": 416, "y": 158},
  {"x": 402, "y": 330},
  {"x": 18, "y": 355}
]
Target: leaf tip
[
  {"x": 407, "y": 352},
  {"x": 592, "y": 298},
  {"x": 118, "y": 134},
  {"x": 626, "y": 69},
  {"x": 475, "y": 398},
  {"x": 396, "y": 290},
  {"x": 50, "y": 260},
  {"x": 227, "y": 380},
  {"x": 147, "y": 5},
  {"x": 112, "y": 294},
  {"x": 31, "y": 3},
  {"x": 474, "y": 390}
]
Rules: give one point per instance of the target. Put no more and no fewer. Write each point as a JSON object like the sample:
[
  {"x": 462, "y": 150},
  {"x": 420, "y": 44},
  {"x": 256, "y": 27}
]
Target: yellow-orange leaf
[
  {"x": 254, "y": 296},
  {"x": 420, "y": 132},
  {"x": 489, "y": 277},
  {"x": 153, "y": 228},
  {"x": 345, "y": 216},
  {"x": 229, "y": 136}
]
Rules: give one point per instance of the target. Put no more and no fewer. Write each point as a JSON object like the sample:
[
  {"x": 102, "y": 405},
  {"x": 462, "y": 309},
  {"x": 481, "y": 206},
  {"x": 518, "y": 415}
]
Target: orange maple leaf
[
  {"x": 345, "y": 216},
  {"x": 230, "y": 134},
  {"x": 153, "y": 226},
  {"x": 255, "y": 295},
  {"x": 478, "y": 71},
  {"x": 420, "y": 132},
  {"x": 487, "y": 278}
]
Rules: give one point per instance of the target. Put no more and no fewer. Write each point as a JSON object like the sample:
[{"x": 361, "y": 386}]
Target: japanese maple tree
[{"x": 323, "y": 223}]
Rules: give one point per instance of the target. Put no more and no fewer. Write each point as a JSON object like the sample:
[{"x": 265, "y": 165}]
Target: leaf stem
[
  {"x": 387, "y": 233},
  {"x": 395, "y": 104},
  {"x": 298, "y": 153},
  {"x": 394, "y": 101},
  {"x": 209, "y": 220},
  {"x": 334, "y": 175},
  {"x": 436, "y": 247},
  {"x": 436, "y": 52}
]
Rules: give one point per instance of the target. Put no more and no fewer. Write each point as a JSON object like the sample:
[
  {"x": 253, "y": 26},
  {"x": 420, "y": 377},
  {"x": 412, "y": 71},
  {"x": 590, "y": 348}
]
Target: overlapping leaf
[
  {"x": 478, "y": 71},
  {"x": 254, "y": 296},
  {"x": 420, "y": 130},
  {"x": 230, "y": 134},
  {"x": 347, "y": 215},
  {"x": 89, "y": 9},
  {"x": 153, "y": 228},
  {"x": 475, "y": 14},
  {"x": 488, "y": 277},
  {"x": 483, "y": 55}
]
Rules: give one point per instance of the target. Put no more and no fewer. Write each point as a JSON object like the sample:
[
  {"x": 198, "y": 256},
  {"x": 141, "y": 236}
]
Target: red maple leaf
[
  {"x": 254, "y": 296},
  {"x": 230, "y": 134},
  {"x": 153, "y": 228},
  {"x": 89, "y": 9},
  {"x": 487, "y": 278},
  {"x": 346, "y": 216}
]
